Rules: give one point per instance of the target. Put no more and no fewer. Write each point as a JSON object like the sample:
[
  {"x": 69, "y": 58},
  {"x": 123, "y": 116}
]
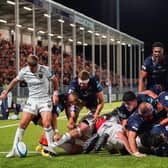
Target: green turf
[{"x": 35, "y": 160}]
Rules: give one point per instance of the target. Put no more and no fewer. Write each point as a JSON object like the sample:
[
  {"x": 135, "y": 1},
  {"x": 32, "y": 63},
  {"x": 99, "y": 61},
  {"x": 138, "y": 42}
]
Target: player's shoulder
[
  {"x": 134, "y": 122},
  {"x": 73, "y": 84},
  {"x": 94, "y": 81},
  {"x": 148, "y": 60},
  {"x": 74, "y": 81},
  {"x": 24, "y": 69},
  {"x": 43, "y": 67}
]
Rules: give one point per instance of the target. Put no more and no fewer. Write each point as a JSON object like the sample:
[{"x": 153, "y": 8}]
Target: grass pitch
[{"x": 35, "y": 160}]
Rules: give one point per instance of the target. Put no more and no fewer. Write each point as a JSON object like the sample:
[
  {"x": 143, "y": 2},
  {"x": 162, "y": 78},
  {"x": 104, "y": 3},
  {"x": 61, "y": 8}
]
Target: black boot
[
  {"x": 101, "y": 142},
  {"x": 90, "y": 143}
]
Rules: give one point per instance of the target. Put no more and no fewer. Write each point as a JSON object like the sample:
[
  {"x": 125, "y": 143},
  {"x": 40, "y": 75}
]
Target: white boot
[{"x": 12, "y": 153}]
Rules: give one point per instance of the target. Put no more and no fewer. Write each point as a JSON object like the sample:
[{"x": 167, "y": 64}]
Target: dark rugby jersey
[
  {"x": 157, "y": 72},
  {"x": 88, "y": 95},
  {"x": 136, "y": 123}
]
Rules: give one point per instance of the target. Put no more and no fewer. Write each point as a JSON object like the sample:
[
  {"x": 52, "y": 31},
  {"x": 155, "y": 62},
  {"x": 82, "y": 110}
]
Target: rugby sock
[
  {"x": 63, "y": 139},
  {"x": 49, "y": 135},
  {"x": 18, "y": 136}
]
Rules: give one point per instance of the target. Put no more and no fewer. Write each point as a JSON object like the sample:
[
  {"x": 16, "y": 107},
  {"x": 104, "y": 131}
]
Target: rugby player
[{"x": 37, "y": 78}]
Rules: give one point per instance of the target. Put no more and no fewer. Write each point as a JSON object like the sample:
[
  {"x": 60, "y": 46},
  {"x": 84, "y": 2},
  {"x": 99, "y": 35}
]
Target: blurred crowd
[{"x": 8, "y": 64}]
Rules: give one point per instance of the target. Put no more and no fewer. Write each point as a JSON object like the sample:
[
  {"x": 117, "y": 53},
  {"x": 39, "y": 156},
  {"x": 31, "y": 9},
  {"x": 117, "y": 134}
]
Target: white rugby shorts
[{"x": 36, "y": 106}]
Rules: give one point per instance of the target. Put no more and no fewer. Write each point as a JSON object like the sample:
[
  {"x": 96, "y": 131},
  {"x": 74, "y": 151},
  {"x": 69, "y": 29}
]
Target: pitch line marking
[{"x": 59, "y": 118}]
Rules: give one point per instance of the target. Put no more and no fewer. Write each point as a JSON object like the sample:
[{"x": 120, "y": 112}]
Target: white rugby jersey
[{"x": 38, "y": 82}]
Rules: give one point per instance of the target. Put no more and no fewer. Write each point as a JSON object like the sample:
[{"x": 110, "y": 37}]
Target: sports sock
[
  {"x": 18, "y": 136},
  {"x": 49, "y": 135},
  {"x": 63, "y": 139}
]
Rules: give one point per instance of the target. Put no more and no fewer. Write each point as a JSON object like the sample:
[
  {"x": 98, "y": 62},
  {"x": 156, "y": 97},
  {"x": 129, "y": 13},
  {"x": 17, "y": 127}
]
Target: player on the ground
[{"x": 73, "y": 140}]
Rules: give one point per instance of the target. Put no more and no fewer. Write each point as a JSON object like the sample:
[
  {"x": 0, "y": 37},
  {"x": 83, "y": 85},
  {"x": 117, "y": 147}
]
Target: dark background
[{"x": 146, "y": 20}]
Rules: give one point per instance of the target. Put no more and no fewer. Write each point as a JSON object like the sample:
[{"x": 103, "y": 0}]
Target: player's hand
[
  {"x": 138, "y": 154},
  {"x": 71, "y": 125},
  {"x": 57, "y": 136},
  {"x": 95, "y": 117}
]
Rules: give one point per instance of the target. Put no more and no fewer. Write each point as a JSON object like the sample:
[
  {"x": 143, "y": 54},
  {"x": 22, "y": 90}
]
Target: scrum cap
[{"x": 83, "y": 76}]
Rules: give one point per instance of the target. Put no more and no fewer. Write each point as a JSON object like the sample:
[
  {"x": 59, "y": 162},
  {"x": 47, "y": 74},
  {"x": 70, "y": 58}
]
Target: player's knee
[
  {"x": 23, "y": 125},
  {"x": 46, "y": 124}
]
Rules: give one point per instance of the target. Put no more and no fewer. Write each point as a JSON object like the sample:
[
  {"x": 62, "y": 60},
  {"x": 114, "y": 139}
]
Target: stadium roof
[{"x": 59, "y": 13}]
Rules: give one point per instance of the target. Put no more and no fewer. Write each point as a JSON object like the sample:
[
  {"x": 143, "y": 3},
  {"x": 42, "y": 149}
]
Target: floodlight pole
[
  {"x": 118, "y": 14},
  {"x": 34, "y": 30},
  {"x": 17, "y": 40}
]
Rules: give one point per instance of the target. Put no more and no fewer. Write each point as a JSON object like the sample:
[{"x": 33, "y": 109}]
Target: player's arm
[
  {"x": 72, "y": 110},
  {"x": 143, "y": 76},
  {"x": 164, "y": 122},
  {"x": 72, "y": 120},
  {"x": 133, "y": 146},
  {"x": 12, "y": 85},
  {"x": 100, "y": 98},
  {"x": 123, "y": 138},
  {"x": 56, "y": 89}
]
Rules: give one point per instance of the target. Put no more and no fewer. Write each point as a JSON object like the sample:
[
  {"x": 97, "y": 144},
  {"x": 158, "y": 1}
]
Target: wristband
[{"x": 55, "y": 93}]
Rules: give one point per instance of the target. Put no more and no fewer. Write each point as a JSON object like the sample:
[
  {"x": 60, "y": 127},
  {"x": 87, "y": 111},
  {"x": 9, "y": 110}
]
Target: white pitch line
[
  {"x": 28, "y": 152},
  {"x": 59, "y": 118},
  {"x": 11, "y": 125}
]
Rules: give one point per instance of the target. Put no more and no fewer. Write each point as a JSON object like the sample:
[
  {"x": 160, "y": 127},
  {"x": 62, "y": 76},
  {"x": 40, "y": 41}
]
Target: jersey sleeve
[
  {"x": 20, "y": 75},
  {"x": 49, "y": 73},
  {"x": 146, "y": 64},
  {"x": 98, "y": 86},
  {"x": 72, "y": 87},
  {"x": 134, "y": 124}
]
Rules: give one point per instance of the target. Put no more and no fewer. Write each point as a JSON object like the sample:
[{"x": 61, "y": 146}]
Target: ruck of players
[{"x": 138, "y": 127}]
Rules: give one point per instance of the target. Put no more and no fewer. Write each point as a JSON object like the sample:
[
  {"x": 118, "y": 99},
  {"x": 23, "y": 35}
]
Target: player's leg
[
  {"x": 25, "y": 120},
  {"x": 46, "y": 122}
]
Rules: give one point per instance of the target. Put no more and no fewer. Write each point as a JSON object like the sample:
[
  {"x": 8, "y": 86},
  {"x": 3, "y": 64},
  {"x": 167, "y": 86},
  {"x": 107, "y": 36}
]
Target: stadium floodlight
[
  {"x": 85, "y": 44},
  {"x": 41, "y": 32},
  {"x": 46, "y": 15},
  {"x": 97, "y": 34},
  {"x": 81, "y": 28},
  {"x": 27, "y": 8},
  {"x": 60, "y": 37},
  {"x": 90, "y": 31},
  {"x": 70, "y": 40},
  {"x": 50, "y": 34},
  {"x": 104, "y": 37},
  {"x": 12, "y": 31},
  {"x": 72, "y": 25},
  {"x": 3, "y": 21},
  {"x": 18, "y": 25},
  {"x": 10, "y": 2},
  {"x": 31, "y": 29},
  {"x": 61, "y": 20},
  {"x": 112, "y": 39},
  {"x": 79, "y": 42}
]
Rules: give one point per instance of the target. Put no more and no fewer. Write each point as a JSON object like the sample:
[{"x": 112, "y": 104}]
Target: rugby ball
[{"x": 21, "y": 149}]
